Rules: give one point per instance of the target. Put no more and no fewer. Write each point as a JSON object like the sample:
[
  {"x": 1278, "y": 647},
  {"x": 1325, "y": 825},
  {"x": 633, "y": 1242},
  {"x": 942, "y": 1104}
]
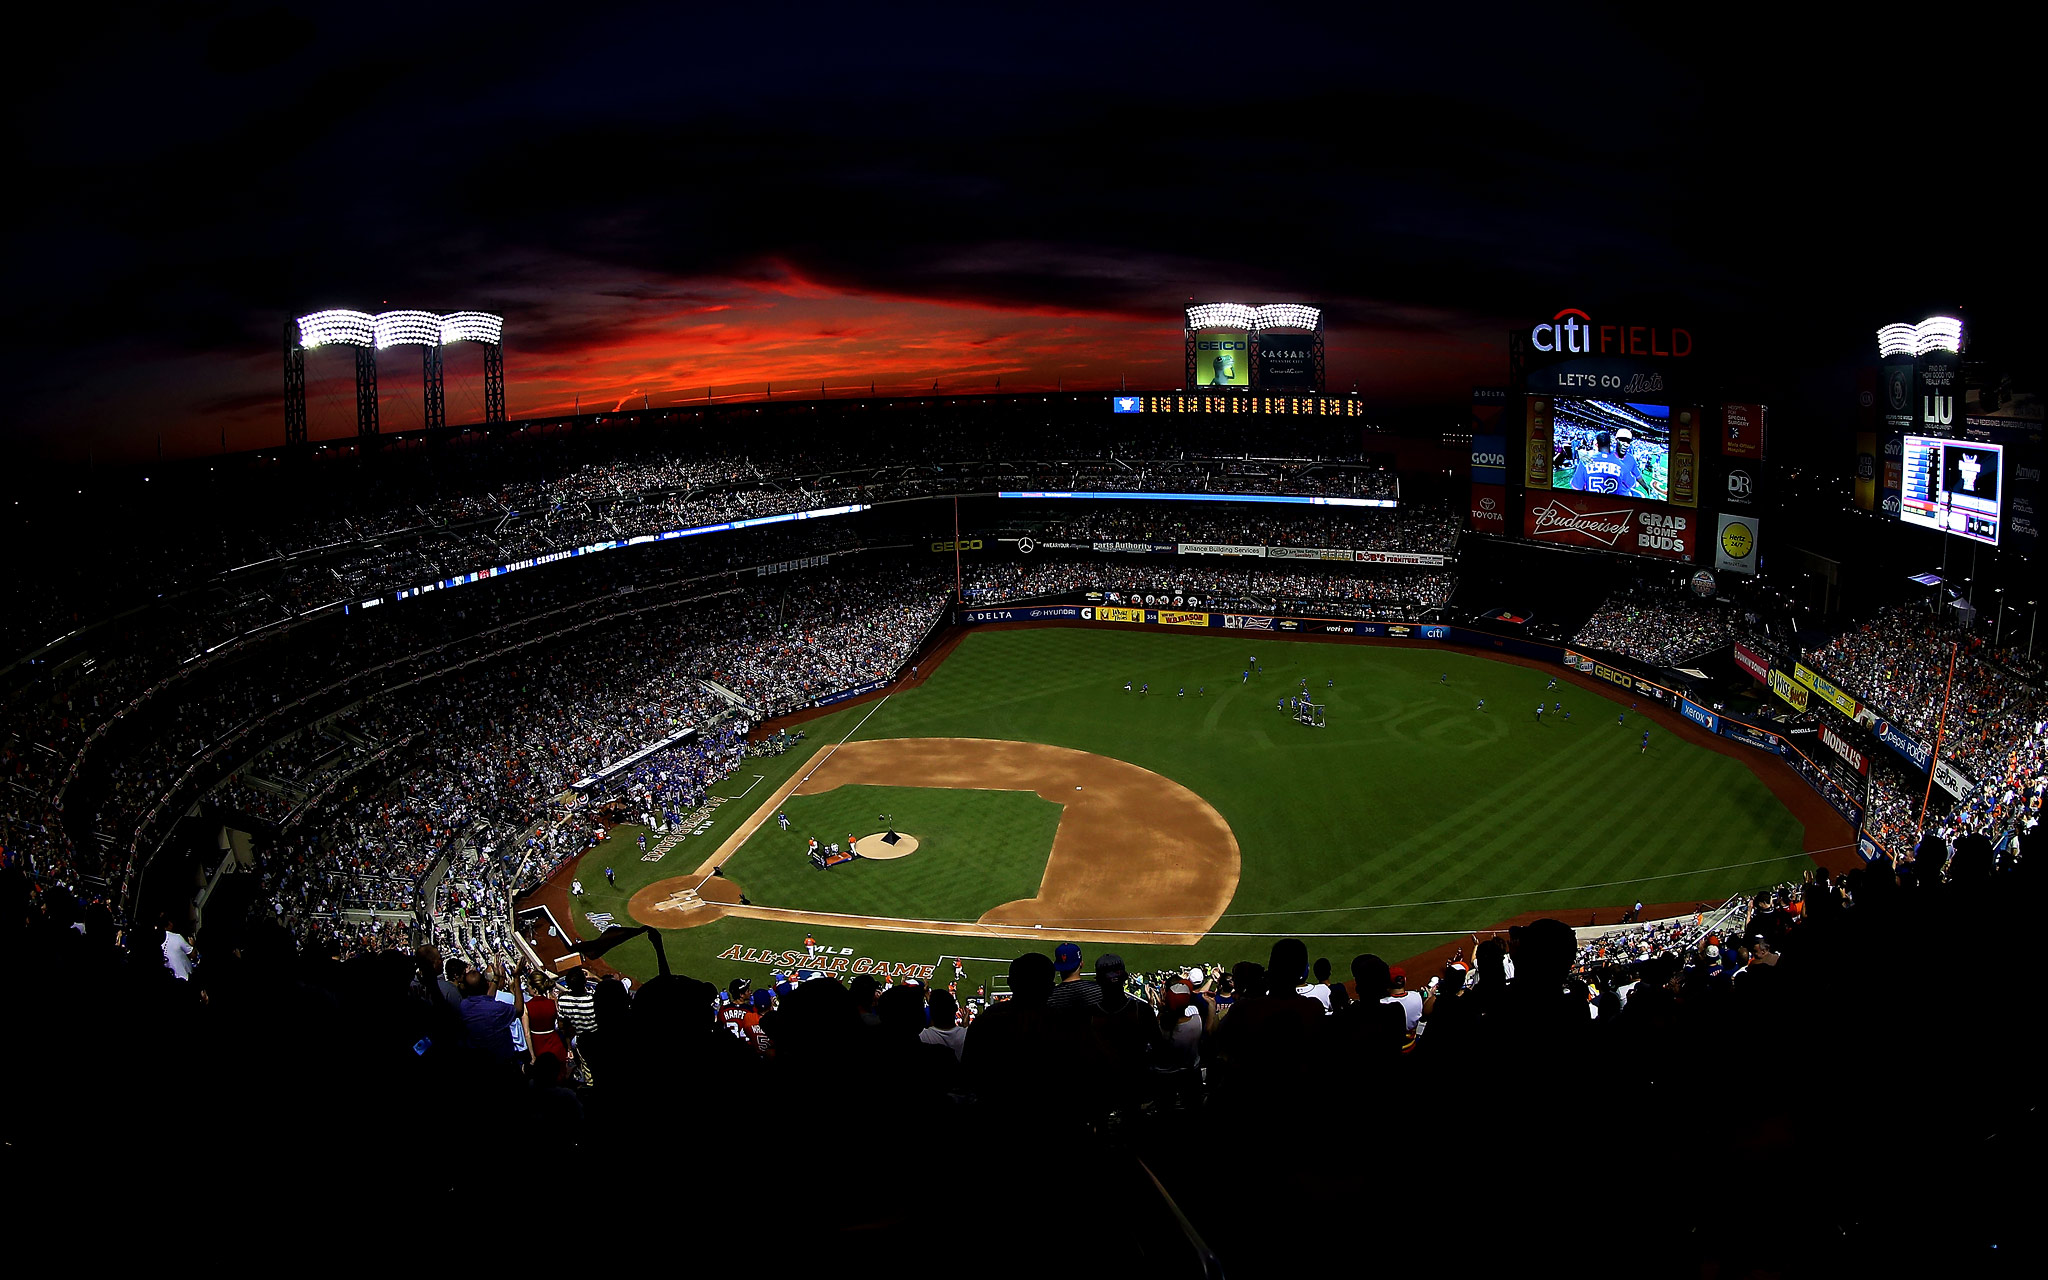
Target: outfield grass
[
  {"x": 1411, "y": 817},
  {"x": 975, "y": 850}
]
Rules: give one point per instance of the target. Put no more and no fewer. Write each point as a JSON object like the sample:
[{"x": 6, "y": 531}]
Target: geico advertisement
[
  {"x": 1222, "y": 360},
  {"x": 1614, "y": 524}
]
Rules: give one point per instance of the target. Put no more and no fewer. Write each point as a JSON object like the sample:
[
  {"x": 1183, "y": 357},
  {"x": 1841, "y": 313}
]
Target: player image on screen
[
  {"x": 1952, "y": 486},
  {"x": 1608, "y": 447}
]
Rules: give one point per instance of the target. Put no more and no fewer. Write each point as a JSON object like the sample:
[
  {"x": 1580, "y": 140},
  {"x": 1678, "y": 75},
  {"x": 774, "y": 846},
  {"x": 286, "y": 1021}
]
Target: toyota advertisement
[
  {"x": 1606, "y": 523},
  {"x": 1490, "y": 509}
]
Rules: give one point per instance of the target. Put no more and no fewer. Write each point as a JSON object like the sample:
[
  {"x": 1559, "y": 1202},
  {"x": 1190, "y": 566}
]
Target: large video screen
[
  {"x": 1953, "y": 486},
  {"x": 1223, "y": 359},
  {"x": 1611, "y": 447}
]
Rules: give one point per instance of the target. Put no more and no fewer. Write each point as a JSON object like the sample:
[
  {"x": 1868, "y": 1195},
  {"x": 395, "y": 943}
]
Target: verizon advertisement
[
  {"x": 1609, "y": 523},
  {"x": 1490, "y": 509}
]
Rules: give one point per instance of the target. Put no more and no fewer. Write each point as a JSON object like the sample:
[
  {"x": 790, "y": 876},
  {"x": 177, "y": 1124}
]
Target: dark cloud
[{"x": 187, "y": 180}]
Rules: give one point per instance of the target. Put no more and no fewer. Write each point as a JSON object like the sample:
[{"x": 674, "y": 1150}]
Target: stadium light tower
[
  {"x": 1222, "y": 325},
  {"x": 369, "y": 334}
]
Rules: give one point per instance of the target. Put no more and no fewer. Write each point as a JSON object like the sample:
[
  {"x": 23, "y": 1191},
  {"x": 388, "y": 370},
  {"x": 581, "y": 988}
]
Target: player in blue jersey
[
  {"x": 1551, "y": 685},
  {"x": 1445, "y": 678},
  {"x": 1145, "y": 688},
  {"x": 1183, "y": 692},
  {"x": 1646, "y": 743},
  {"x": 1202, "y": 691},
  {"x": 1279, "y": 704},
  {"x": 1482, "y": 704},
  {"x": 1127, "y": 686},
  {"x": 1599, "y": 471},
  {"x": 1246, "y": 678},
  {"x": 1622, "y": 718}
]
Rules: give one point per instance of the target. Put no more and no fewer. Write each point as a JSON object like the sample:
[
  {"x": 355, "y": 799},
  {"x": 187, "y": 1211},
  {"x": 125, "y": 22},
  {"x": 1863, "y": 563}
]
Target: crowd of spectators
[
  {"x": 1662, "y": 628},
  {"x": 1995, "y": 730},
  {"x": 1427, "y": 527},
  {"x": 1699, "y": 1037},
  {"x": 1199, "y": 585}
]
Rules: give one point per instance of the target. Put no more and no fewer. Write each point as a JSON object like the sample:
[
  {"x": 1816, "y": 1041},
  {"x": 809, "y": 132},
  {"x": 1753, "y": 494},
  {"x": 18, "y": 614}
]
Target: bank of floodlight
[
  {"x": 472, "y": 326},
  {"x": 1937, "y": 333},
  {"x": 337, "y": 327},
  {"x": 1221, "y": 315},
  {"x": 1897, "y": 340},
  {"x": 407, "y": 329},
  {"x": 1287, "y": 315}
]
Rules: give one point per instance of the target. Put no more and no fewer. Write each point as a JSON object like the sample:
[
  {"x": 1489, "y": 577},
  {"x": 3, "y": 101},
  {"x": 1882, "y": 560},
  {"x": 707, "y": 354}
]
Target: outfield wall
[{"x": 1814, "y": 772}]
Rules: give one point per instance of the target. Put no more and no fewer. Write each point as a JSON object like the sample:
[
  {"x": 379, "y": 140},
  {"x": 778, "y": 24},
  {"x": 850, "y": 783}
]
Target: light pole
[
  {"x": 1998, "y": 627},
  {"x": 2034, "y": 612}
]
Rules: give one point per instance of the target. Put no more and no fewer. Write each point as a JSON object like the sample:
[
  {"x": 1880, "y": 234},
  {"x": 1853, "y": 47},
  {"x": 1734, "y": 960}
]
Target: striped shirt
[{"x": 578, "y": 1013}]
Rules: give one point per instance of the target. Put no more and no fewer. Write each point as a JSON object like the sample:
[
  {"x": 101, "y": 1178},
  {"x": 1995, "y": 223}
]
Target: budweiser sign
[
  {"x": 1554, "y": 518},
  {"x": 1617, "y": 524}
]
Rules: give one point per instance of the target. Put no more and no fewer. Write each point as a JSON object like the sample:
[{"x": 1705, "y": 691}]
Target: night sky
[{"x": 661, "y": 202}]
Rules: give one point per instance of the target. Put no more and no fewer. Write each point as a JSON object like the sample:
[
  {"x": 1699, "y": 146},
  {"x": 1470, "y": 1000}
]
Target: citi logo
[{"x": 1572, "y": 332}]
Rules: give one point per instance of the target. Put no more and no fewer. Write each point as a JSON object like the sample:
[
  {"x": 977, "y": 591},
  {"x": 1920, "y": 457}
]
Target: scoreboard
[
  {"x": 1299, "y": 404},
  {"x": 1952, "y": 486}
]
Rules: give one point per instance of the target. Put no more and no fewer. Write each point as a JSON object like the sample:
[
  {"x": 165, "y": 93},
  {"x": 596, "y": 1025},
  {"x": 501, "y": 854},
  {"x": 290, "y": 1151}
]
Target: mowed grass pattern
[
  {"x": 1412, "y": 816},
  {"x": 976, "y": 850},
  {"x": 1412, "y": 811}
]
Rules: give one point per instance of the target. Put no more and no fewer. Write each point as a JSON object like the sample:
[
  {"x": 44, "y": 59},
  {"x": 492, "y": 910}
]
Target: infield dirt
[{"x": 1137, "y": 857}]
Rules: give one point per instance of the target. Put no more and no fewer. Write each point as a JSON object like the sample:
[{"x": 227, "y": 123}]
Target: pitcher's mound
[{"x": 877, "y": 845}]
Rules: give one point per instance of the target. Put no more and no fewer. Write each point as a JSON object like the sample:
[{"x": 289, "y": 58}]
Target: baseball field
[{"x": 1195, "y": 822}]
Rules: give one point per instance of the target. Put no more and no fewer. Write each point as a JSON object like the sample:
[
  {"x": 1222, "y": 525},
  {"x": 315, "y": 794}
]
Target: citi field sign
[{"x": 1573, "y": 332}]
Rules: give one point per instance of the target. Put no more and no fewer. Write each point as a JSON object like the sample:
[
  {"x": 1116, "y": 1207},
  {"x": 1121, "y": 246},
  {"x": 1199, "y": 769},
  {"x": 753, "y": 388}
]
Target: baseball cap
[
  {"x": 763, "y": 998},
  {"x": 1195, "y": 978},
  {"x": 1178, "y": 995},
  {"x": 1624, "y": 434},
  {"x": 1107, "y": 963},
  {"x": 1066, "y": 958},
  {"x": 738, "y": 986},
  {"x": 1398, "y": 974}
]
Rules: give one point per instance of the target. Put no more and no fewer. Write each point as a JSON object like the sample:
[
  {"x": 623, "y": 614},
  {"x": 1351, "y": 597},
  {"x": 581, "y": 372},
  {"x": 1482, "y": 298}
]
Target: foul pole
[
  {"x": 958, "y": 598},
  {"x": 1934, "y": 761}
]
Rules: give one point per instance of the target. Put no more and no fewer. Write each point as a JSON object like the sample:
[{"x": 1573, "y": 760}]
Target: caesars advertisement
[
  {"x": 1285, "y": 360},
  {"x": 1223, "y": 358}
]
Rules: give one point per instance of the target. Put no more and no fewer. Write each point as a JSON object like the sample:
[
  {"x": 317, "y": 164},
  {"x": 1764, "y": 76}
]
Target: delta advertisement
[
  {"x": 1820, "y": 684},
  {"x": 1223, "y": 359},
  {"x": 1758, "y": 667},
  {"x": 973, "y": 617},
  {"x": 841, "y": 696},
  {"x": 1609, "y": 524},
  {"x": 1788, "y": 689}
]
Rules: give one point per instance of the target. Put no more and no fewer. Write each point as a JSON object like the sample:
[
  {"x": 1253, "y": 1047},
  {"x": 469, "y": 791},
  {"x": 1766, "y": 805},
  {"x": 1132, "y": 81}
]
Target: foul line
[
  {"x": 759, "y": 778},
  {"x": 842, "y": 742}
]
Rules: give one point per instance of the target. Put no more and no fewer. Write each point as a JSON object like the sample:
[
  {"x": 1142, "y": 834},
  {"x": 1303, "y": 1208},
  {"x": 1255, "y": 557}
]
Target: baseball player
[
  {"x": 810, "y": 943},
  {"x": 1445, "y": 678},
  {"x": 1552, "y": 685},
  {"x": 1646, "y": 743},
  {"x": 1482, "y": 704},
  {"x": 1145, "y": 688},
  {"x": 611, "y": 878},
  {"x": 851, "y": 841},
  {"x": 814, "y": 846},
  {"x": 959, "y": 970},
  {"x": 783, "y": 818},
  {"x": 1183, "y": 692},
  {"x": 1246, "y": 678},
  {"x": 733, "y": 1013},
  {"x": 1622, "y": 718},
  {"x": 1127, "y": 686},
  {"x": 1202, "y": 691},
  {"x": 1279, "y": 704},
  {"x": 750, "y": 1026},
  {"x": 1539, "y": 713}
]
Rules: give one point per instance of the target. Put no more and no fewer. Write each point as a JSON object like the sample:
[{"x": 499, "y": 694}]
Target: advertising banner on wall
[
  {"x": 1937, "y": 393},
  {"x": 1789, "y": 689},
  {"x": 1826, "y": 688},
  {"x": 1309, "y": 553},
  {"x": 1758, "y": 666},
  {"x": 1489, "y": 459},
  {"x": 1750, "y": 734},
  {"x": 1285, "y": 360},
  {"x": 1682, "y": 463},
  {"x": 1914, "y": 750},
  {"x": 1223, "y": 359},
  {"x": 1735, "y": 543},
  {"x": 1742, "y": 430},
  {"x": 1699, "y": 715},
  {"x": 1951, "y": 779},
  {"x": 1490, "y": 510},
  {"x": 1845, "y": 749},
  {"x": 1219, "y": 549},
  {"x": 1609, "y": 524},
  {"x": 1398, "y": 557},
  {"x": 1866, "y": 470},
  {"x": 1538, "y": 418}
]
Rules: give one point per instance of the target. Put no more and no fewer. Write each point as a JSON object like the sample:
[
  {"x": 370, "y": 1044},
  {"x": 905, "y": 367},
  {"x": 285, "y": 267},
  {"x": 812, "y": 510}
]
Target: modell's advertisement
[{"x": 1597, "y": 520}]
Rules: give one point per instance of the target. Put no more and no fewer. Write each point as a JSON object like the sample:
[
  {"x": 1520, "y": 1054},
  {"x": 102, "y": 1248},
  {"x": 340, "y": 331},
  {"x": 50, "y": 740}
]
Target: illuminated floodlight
[
  {"x": 1897, "y": 340},
  {"x": 472, "y": 326},
  {"x": 337, "y": 328},
  {"x": 407, "y": 329},
  {"x": 1287, "y": 315},
  {"x": 1937, "y": 333},
  {"x": 1221, "y": 315}
]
